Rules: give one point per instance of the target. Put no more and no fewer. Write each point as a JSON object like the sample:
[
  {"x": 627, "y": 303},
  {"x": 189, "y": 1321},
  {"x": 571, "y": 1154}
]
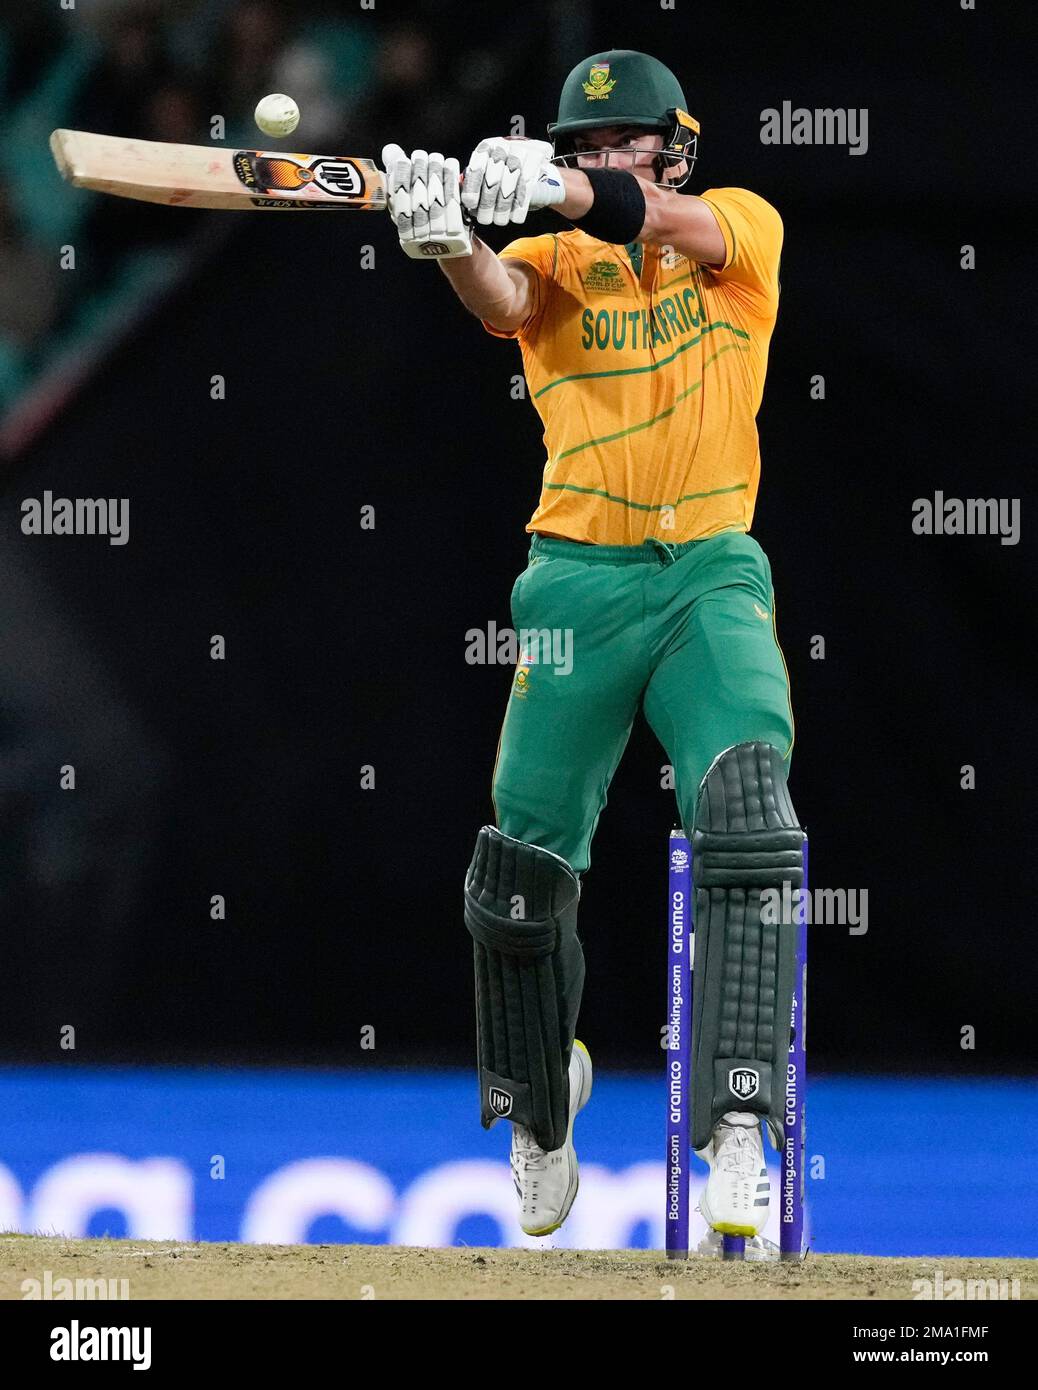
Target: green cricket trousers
[{"x": 685, "y": 632}]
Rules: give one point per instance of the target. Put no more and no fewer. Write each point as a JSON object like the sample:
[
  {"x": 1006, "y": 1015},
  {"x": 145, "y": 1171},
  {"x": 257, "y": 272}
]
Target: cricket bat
[{"x": 201, "y": 176}]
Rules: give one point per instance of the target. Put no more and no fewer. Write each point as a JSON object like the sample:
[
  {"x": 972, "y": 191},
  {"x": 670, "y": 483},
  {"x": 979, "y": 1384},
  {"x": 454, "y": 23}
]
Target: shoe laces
[
  {"x": 736, "y": 1152},
  {"x": 526, "y": 1148}
]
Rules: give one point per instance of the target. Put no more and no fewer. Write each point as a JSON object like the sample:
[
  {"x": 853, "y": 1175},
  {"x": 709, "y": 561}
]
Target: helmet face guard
[{"x": 680, "y": 133}]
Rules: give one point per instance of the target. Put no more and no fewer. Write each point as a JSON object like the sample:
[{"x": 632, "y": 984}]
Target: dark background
[{"x": 350, "y": 387}]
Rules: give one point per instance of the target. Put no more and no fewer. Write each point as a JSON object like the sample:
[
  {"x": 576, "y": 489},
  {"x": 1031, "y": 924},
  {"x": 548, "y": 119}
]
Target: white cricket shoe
[
  {"x": 737, "y": 1193},
  {"x": 547, "y": 1180}
]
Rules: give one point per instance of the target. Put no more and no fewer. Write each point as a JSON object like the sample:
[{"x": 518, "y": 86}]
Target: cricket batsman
[{"x": 644, "y": 321}]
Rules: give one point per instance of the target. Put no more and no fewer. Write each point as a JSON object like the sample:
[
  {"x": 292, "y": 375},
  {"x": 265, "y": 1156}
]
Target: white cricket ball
[{"x": 277, "y": 114}]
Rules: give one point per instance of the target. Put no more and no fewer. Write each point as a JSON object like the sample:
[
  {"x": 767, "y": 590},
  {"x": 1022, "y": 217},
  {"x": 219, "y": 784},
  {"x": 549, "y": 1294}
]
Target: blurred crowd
[{"x": 168, "y": 69}]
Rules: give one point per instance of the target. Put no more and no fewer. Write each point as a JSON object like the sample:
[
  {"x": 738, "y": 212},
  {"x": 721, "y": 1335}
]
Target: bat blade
[{"x": 203, "y": 176}]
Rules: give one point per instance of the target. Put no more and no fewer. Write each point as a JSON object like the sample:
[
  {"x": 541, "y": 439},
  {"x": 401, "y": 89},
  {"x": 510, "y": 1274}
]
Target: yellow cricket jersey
[{"x": 648, "y": 378}]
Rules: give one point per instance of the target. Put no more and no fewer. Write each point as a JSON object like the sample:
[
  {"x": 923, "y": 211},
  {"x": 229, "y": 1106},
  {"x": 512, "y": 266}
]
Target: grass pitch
[{"x": 168, "y": 1269}]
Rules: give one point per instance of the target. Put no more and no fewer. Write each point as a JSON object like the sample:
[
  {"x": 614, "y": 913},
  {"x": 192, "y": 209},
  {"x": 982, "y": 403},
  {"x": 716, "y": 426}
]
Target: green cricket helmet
[{"x": 625, "y": 88}]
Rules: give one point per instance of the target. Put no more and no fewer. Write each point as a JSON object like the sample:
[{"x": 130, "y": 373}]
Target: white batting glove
[
  {"x": 424, "y": 202},
  {"x": 506, "y": 176}
]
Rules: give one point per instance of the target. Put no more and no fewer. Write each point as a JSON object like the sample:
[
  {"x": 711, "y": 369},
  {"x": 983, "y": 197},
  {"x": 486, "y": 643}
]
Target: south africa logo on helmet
[
  {"x": 638, "y": 89},
  {"x": 622, "y": 87},
  {"x": 599, "y": 84}
]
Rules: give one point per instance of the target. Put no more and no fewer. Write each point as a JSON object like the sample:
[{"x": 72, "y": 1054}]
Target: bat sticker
[{"x": 340, "y": 178}]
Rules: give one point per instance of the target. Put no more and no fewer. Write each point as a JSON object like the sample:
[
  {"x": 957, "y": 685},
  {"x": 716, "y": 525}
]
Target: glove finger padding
[
  {"x": 423, "y": 198},
  {"x": 508, "y": 175},
  {"x": 488, "y": 194},
  {"x": 420, "y": 193},
  {"x": 473, "y": 188},
  {"x": 437, "y": 210},
  {"x": 507, "y": 189},
  {"x": 398, "y": 190},
  {"x": 398, "y": 168},
  {"x": 452, "y": 196}
]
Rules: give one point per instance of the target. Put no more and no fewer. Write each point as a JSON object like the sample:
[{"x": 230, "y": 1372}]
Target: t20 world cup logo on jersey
[
  {"x": 598, "y": 84},
  {"x": 605, "y": 276}
]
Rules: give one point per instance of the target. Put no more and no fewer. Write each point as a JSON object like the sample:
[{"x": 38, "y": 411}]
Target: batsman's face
[{"x": 619, "y": 147}]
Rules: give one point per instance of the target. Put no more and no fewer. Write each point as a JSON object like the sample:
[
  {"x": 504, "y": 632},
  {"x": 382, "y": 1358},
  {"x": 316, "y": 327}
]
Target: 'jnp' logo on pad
[
  {"x": 744, "y": 1082},
  {"x": 500, "y": 1101}
]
